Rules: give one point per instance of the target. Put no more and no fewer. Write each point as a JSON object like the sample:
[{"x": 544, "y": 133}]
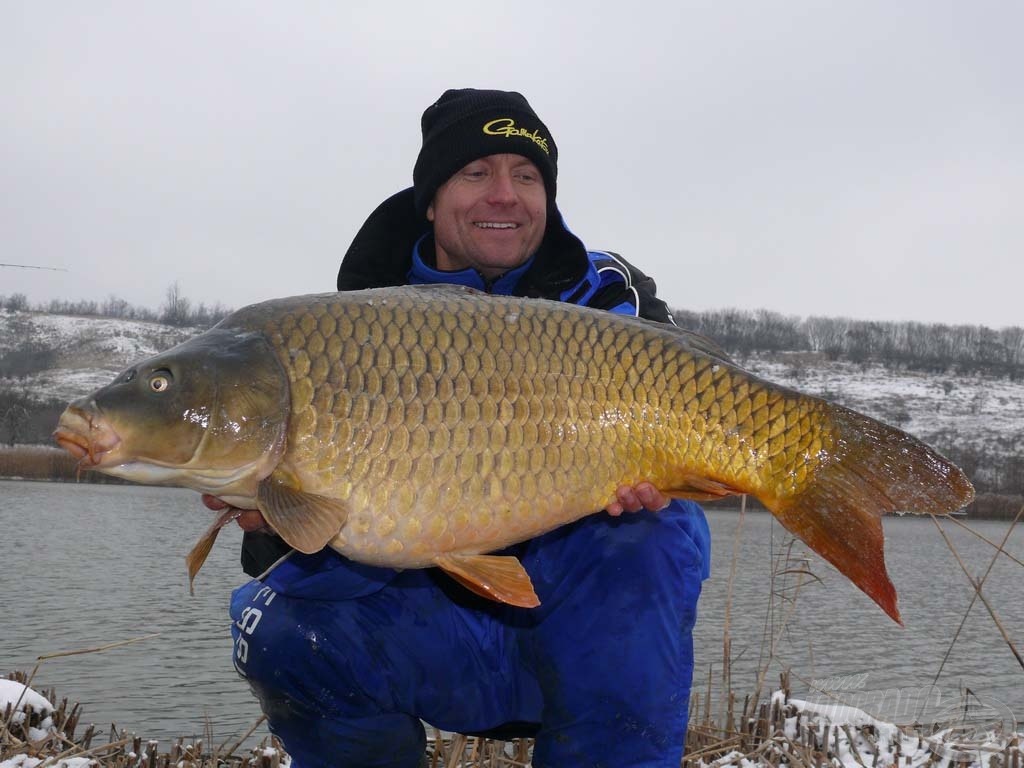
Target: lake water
[{"x": 86, "y": 565}]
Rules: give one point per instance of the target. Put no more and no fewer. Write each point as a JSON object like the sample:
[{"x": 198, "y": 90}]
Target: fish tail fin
[
  {"x": 880, "y": 470},
  {"x": 840, "y": 528}
]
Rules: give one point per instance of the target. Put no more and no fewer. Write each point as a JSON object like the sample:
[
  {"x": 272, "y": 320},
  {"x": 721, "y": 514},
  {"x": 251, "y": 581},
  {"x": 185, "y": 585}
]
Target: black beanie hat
[{"x": 466, "y": 124}]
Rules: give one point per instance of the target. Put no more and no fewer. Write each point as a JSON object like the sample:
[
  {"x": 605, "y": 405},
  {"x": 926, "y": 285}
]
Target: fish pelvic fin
[
  {"x": 201, "y": 549},
  {"x": 501, "y": 578},
  {"x": 306, "y": 521},
  {"x": 879, "y": 470}
]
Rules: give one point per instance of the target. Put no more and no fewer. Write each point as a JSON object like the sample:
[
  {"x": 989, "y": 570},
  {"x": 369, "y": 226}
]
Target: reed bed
[{"x": 775, "y": 732}]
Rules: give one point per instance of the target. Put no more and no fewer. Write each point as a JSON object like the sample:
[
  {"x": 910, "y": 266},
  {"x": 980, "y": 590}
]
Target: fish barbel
[{"x": 427, "y": 426}]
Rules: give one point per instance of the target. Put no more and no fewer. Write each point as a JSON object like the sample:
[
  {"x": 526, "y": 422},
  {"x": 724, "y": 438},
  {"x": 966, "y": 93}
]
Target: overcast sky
[{"x": 860, "y": 159}]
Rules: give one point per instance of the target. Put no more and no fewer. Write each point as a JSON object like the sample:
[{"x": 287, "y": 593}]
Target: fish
[{"x": 424, "y": 426}]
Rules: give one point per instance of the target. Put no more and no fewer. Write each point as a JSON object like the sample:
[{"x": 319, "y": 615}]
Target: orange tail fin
[{"x": 878, "y": 470}]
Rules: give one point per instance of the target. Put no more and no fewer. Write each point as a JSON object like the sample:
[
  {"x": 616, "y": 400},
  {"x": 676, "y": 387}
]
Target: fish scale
[{"x": 421, "y": 426}]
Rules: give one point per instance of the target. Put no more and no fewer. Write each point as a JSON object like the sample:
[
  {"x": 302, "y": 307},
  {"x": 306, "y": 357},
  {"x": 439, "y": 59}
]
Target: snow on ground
[
  {"x": 106, "y": 336},
  {"x": 65, "y": 384},
  {"x": 21, "y": 699},
  {"x": 854, "y": 739},
  {"x": 24, "y": 761}
]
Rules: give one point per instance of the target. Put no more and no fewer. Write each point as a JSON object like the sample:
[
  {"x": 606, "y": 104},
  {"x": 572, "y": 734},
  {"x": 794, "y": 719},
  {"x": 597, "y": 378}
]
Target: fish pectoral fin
[
  {"x": 501, "y": 578},
  {"x": 698, "y": 488},
  {"x": 306, "y": 521}
]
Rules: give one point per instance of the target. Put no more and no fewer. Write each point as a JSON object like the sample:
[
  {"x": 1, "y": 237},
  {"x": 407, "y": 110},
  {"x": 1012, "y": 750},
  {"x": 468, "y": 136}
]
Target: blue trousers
[{"x": 346, "y": 669}]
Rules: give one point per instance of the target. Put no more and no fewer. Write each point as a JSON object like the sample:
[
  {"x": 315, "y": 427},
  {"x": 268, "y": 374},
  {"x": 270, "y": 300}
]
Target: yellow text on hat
[{"x": 506, "y": 126}]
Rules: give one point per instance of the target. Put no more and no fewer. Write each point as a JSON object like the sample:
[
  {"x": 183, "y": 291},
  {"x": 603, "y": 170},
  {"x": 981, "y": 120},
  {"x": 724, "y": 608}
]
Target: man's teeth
[{"x": 496, "y": 224}]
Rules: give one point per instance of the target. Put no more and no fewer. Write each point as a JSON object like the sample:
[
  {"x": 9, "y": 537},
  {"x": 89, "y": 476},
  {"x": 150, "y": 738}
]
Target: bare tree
[
  {"x": 826, "y": 334},
  {"x": 16, "y": 302},
  {"x": 115, "y": 306},
  {"x": 176, "y": 308}
]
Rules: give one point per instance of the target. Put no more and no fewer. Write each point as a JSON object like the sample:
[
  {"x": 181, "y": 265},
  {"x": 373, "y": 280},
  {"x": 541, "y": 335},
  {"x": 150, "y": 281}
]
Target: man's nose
[{"x": 502, "y": 190}]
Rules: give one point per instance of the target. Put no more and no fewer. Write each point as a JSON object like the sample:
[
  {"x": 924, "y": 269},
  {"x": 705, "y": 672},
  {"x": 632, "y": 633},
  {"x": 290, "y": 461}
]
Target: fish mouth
[{"x": 86, "y": 435}]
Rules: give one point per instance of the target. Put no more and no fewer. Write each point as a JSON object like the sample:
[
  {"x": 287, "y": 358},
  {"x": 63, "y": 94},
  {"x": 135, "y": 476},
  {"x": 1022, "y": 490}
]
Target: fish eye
[{"x": 160, "y": 381}]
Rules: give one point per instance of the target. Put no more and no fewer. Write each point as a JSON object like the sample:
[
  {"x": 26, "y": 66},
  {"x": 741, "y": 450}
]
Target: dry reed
[{"x": 778, "y": 733}]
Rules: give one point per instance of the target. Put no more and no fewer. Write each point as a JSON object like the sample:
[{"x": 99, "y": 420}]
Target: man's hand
[
  {"x": 248, "y": 520},
  {"x": 634, "y": 498}
]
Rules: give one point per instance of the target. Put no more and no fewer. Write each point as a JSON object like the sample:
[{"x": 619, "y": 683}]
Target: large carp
[{"x": 426, "y": 426}]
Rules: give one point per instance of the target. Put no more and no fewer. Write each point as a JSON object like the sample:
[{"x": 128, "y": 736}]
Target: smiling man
[
  {"x": 348, "y": 659},
  {"x": 490, "y": 216}
]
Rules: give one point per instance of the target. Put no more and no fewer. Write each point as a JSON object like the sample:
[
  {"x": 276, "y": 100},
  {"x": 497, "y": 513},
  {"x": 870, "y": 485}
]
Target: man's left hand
[{"x": 634, "y": 498}]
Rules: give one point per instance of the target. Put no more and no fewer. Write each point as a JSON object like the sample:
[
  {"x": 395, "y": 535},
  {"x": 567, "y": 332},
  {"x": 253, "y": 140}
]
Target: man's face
[{"x": 490, "y": 215}]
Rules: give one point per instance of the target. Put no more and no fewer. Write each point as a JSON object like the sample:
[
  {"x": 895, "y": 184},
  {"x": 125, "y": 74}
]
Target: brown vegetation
[
  {"x": 995, "y": 506},
  {"x": 41, "y": 462},
  {"x": 121, "y": 748}
]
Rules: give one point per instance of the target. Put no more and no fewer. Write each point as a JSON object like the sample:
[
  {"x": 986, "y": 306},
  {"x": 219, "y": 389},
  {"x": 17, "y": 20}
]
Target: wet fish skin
[
  {"x": 427, "y": 425},
  {"x": 208, "y": 414}
]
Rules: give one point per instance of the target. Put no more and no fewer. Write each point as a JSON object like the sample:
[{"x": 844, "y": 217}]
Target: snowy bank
[{"x": 34, "y": 733}]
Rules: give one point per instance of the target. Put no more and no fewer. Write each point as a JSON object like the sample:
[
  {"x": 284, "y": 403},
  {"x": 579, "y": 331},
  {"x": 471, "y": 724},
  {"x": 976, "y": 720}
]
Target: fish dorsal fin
[
  {"x": 501, "y": 578},
  {"x": 307, "y": 521},
  {"x": 704, "y": 344}
]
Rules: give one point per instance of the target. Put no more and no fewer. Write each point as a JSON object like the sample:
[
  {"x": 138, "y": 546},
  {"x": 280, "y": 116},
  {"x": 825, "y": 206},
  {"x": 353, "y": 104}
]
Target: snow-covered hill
[{"x": 90, "y": 351}]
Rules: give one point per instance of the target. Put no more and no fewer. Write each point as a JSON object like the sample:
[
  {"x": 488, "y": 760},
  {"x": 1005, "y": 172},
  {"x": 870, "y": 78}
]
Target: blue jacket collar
[{"x": 420, "y": 272}]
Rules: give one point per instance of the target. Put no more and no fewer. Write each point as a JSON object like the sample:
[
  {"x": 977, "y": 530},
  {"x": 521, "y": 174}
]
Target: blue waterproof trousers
[{"x": 347, "y": 660}]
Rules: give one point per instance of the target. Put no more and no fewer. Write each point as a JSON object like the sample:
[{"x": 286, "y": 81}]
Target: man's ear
[{"x": 430, "y": 213}]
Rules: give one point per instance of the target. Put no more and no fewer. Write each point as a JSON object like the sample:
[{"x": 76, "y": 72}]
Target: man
[{"x": 348, "y": 659}]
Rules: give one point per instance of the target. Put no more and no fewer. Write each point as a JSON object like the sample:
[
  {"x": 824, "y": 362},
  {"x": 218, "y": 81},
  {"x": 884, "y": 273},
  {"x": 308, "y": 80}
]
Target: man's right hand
[{"x": 248, "y": 520}]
